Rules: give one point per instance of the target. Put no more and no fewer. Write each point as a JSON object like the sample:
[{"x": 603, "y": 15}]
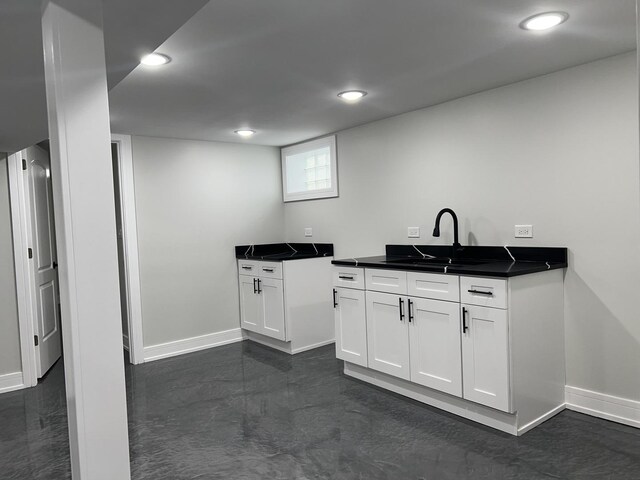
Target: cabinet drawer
[
  {"x": 258, "y": 268},
  {"x": 486, "y": 292},
  {"x": 270, "y": 269},
  {"x": 433, "y": 285},
  {"x": 349, "y": 277},
  {"x": 389, "y": 281}
]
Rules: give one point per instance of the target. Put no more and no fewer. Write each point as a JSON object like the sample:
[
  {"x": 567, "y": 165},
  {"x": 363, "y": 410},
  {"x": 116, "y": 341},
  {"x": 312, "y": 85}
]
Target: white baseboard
[
  {"x": 311, "y": 347},
  {"x": 600, "y": 405},
  {"x": 188, "y": 345},
  {"x": 543, "y": 418},
  {"x": 11, "y": 381}
]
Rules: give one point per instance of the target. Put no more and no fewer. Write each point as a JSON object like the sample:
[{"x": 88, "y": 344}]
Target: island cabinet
[
  {"x": 489, "y": 349},
  {"x": 285, "y": 305}
]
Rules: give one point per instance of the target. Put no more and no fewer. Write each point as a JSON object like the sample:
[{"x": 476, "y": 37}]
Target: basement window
[{"x": 309, "y": 170}]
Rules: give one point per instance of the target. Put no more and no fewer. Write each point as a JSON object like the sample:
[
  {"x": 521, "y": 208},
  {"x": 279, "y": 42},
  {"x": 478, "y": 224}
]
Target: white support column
[{"x": 78, "y": 111}]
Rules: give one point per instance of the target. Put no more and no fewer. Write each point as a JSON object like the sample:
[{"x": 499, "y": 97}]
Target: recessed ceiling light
[
  {"x": 544, "y": 21},
  {"x": 352, "y": 95},
  {"x": 245, "y": 132},
  {"x": 155, "y": 59}
]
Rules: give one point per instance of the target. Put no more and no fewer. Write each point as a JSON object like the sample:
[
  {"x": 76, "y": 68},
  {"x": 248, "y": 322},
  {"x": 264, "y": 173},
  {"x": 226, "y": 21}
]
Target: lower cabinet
[
  {"x": 485, "y": 356},
  {"x": 388, "y": 334},
  {"x": 351, "y": 325},
  {"x": 262, "y": 306},
  {"x": 434, "y": 345}
]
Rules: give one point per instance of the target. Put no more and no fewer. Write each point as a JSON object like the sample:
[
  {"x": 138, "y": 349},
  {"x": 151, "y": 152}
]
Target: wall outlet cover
[
  {"x": 413, "y": 232},
  {"x": 308, "y": 232},
  {"x": 524, "y": 231}
]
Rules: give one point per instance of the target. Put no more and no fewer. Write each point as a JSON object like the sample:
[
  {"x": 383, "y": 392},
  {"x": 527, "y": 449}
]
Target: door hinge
[
  {"x": 24, "y": 164},
  {"x": 30, "y": 252},
  {"x": 35, "y": 340}
]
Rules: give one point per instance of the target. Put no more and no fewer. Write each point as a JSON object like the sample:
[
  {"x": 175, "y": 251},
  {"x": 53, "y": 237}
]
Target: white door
[
  {"x": 388, "y": 334},
  {"x": 43, "y": 262},
  {"x": 272, "y": 294},
  {"x": 434, "y": 339},
  {"x": 351, "y": 325},
  {"x": 485, "y": 356},
  {"x": 250, "y": 304}
]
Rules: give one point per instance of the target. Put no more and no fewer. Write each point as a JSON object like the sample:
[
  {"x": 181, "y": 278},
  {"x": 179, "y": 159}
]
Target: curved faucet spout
[{"x": 436, "y": 230}]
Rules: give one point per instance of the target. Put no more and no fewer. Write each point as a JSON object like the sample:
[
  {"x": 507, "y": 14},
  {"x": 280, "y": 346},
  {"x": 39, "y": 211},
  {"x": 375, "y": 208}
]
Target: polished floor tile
[{"x": 244, "y": 411}]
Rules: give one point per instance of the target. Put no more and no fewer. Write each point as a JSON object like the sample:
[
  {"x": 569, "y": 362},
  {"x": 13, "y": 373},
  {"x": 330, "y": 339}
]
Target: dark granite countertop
[
  {"x": 479, "y": 261},
  {"x": 278, "y": 252}
]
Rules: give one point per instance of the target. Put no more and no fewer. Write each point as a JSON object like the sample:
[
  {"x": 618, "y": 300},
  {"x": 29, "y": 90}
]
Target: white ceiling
[
  {"x": 276, "y": 66},
  {"x": 131, "y": 29}
]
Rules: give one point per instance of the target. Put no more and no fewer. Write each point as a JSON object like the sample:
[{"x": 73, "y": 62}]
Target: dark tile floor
[{"x": 247, "y": 412}]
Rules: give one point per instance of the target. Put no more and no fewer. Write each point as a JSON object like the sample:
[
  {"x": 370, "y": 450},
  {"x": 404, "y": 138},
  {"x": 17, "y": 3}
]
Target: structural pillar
[{"x": 78, "y": 112}]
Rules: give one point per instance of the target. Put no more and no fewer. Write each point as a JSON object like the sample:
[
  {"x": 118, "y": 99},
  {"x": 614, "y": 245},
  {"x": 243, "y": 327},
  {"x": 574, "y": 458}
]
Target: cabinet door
[
  {"x": 271, "y": 293},
  {"x": 250, "y": 304},
  {"x": 434, "y": 337},
  {"x": 351, "y": 325},
  {"x": 485, "y": 357},
  {"x": 387, "y": 334}
]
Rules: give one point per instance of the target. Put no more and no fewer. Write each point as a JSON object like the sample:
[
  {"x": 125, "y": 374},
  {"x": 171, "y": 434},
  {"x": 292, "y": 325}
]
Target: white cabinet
[
  {"x": 485, "y": 356},
  {"x": 286, "y": 305},
  {"x": 272, "y": 308},
  {"x": 262, "y": 306},
  {"x": 250, "y": 304},
  {"x": 489, "y": 349},
  {"x": 351, "y": 325},
  {"x": 388, "y": 334},
  {"x": 434, "y": 344}
]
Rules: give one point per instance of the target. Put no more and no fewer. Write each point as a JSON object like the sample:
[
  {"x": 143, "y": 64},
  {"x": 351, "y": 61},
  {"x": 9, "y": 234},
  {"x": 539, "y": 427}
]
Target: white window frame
[{"x": 330, "y": 142}]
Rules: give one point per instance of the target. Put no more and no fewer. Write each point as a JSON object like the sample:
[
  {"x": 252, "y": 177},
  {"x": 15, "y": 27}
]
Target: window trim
[{"x": 328, "y": 141}]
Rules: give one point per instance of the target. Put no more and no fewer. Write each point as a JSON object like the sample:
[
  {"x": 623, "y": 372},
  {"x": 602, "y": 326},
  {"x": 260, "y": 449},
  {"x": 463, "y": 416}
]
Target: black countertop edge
[
  {"x": 491, "y": 262},
  {"x": 277, "y": 252}
]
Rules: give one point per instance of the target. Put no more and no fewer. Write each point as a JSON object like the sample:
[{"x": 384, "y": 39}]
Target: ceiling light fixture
[
  {"x": 352, "y": 96},
  {"x": 544, "y": 21},
  {"x": 245, "y": 132},
  {"x": 155, "y": 59}
]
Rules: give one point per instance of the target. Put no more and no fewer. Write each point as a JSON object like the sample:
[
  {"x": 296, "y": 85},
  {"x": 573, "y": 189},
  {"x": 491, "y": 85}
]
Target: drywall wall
[
  {"x": 559, "y": 152},
  {"x": 10, "y": 361},
  {"x": 195, "y": 201}
]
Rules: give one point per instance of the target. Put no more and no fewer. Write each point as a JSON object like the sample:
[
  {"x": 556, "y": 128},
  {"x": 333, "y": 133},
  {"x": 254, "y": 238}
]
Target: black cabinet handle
[
  {"x": 254, "y": 285},
  {"x": 480, "y": 292},
  {"x": 410, "y": 304},
  {"x": 270, "y": 270},
  {"x": 246, "y": 267},
  {"x": 335, "y": 303},
  {"x": 259, "y": 290},
  {"x": 464, "y": 320},
  {"x": 344, "y": 277},
  {"x": 401, "y": 304}
]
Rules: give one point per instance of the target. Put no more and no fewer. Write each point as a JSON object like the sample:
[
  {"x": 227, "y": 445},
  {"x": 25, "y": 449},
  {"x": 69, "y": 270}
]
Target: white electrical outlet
[
  {"x": 308, "y": 232},
  {"x": 413, "y": 232},
  {"x": 524, "y": 231}
]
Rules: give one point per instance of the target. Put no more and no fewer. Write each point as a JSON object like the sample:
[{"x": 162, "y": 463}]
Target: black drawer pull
[
  {"x": 410, "y": 303},
  {"x": 401, "y": 305},
  {"x": 246, "y": 267},
  {"x": 479, "y": 292},
  {"x": 344, "y": 277},
  {"x": 254, "y": 286},
  {"x": 259, "y": 290},
  {"x": 270, "y": 270}
]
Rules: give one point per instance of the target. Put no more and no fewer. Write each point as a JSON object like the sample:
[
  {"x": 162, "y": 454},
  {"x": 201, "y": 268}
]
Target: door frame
[
  {"x": 25, "y": 282},
  {"x": 130, "y": 237},
  {"x": 19, "y": 198}
]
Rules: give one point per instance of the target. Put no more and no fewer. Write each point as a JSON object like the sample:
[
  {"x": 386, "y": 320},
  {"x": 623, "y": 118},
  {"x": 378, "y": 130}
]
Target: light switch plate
[
  {"x": 413, "y": 232},
  {"x": 524, "y": 231},
  {"x": 308, "y": 232}
]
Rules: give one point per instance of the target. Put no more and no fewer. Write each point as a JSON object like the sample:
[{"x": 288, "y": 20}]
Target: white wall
[
  {"x": 9, "y": 334},
  {"x": 559, "y": 152},
  {"x": 195, "y": 201}
]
